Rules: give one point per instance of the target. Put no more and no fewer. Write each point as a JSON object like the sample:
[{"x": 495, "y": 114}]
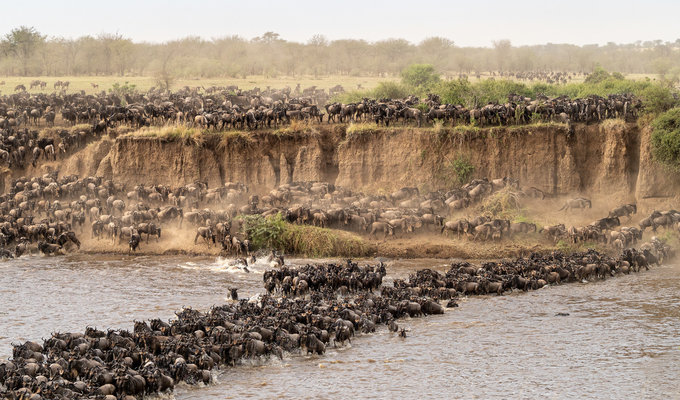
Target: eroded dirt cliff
[{"x": 613, "y": 158}]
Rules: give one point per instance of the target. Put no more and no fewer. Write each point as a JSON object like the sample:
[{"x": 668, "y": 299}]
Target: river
[{"x": 621, "y": 338}]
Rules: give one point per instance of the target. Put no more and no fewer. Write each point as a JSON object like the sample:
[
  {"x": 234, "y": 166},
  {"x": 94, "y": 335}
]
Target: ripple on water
[{"x": 620, "y": 340}]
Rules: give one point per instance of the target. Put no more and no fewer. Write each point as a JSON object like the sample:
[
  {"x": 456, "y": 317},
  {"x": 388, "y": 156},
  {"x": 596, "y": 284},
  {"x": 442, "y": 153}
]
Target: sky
[{"x": 467, "y": 23}]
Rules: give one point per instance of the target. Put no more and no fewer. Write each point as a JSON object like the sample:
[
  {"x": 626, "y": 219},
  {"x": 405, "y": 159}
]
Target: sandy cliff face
[
  {"x": 156, "y": 161},
  {"x": 591, "y": 158},
  {"x": 654, "y": 180},
  {"x": 614, "y": 158}
]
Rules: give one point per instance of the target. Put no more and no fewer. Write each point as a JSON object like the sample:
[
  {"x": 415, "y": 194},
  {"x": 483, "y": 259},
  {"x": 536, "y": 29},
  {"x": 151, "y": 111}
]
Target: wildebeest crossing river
[{"x": 621, "y": 338}]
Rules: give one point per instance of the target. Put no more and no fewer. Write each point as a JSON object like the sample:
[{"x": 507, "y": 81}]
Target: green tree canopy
[
  {"x": 420, "y": 76},
  {"x": 598, "y": 75},
  {"x": 666, "y": 138}
]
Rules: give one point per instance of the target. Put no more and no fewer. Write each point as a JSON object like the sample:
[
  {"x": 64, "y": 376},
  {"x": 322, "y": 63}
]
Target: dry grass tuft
[
  {"x": 311, "y": 241},
  {"x": 188, "y": 135},
  {"x": 505, "y": 204},
  {"x": 613, "y": 124}
]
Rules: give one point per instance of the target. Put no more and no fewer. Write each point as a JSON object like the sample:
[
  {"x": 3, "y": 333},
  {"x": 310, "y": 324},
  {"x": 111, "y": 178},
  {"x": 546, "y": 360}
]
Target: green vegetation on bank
[
  {"x": 274, "y": 232},
  {"x": 666, "y": 138},
  {"x": 657, "y": 96}
]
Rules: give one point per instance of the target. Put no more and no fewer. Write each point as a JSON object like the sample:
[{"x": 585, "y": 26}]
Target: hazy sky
[{"x": 467, "y": 23}]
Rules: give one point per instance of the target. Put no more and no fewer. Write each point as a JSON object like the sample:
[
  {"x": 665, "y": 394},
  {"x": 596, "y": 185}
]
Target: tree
[
  {"x": 69, "y": 51},
  {"x": 164, "y": 76},
  {"x": 436, "y": 50},
  {"x": 116, "y": 49},
  {"x": 268, "y": 37},
  {"x": 22, "y": 42},
  {"x": 598, "y": 75},
  {"x": 317, "y": 46},
  {"x": 502, "y": 49},
  {"x": 420, "y": 76}
]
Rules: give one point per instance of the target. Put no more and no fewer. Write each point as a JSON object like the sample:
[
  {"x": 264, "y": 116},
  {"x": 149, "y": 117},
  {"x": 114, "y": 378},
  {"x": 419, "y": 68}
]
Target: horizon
[{"x": 157, "y": 22}]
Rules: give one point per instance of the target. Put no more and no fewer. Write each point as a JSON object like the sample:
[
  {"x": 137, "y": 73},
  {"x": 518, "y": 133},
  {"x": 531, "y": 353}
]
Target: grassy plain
[{"x": 143, "y": 83}]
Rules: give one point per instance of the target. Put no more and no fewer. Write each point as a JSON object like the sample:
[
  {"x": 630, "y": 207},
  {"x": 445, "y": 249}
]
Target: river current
[{"x": 620, "y": 339}]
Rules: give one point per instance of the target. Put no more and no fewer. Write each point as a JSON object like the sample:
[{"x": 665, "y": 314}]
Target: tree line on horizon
[{"x": 24, "y": 51}]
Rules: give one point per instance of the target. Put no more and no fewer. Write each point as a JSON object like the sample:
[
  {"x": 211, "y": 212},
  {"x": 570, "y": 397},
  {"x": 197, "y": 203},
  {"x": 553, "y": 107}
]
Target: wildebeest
[
  {"x": 625, "y": 210},
  {"x": 579, "y": 202}
]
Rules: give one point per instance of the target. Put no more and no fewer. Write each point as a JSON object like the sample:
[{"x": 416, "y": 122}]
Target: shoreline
[{"x": 415, "y": 247}]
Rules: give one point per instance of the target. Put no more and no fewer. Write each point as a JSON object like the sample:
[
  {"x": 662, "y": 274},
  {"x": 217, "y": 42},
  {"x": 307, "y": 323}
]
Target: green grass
[
  {"x": 549, "y": 124},
  {"x": 612, "y": 124},
  {"x": 295, "y": 126}
]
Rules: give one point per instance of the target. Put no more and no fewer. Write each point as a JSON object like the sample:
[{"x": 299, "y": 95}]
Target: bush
[
  {"x": 461, "y": 91},
  {"x": 666, "y": 138},
  {"x": 457, "y": 91},
  {"x": 265, "y": 232},
  {"x": 463, "y": 169},
  {"x": 657, "y": 99},
  {"x": 122, "y": 90},
  {"x": 422, "y": 107},
  {"x": 597, "y": 76},
  {"x": 421, "y": 77},
  {"x": 389, "y": 90}
]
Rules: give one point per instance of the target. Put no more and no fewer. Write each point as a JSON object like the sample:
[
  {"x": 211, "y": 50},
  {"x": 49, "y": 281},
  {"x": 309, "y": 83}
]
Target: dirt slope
[{"x": 612, "y": 158}]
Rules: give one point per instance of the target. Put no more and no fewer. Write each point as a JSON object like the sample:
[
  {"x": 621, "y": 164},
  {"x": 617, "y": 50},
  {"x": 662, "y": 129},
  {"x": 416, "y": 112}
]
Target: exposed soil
[
  {"x": 610, "y": 163},
  {"x": 612, "y": 158}
]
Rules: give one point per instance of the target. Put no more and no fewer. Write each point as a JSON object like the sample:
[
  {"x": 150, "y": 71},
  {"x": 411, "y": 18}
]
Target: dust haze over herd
[
  {"x": 237, "y": 39},
  {"x": 314, "y": 177},
  {"x": 525, "y": 23}
]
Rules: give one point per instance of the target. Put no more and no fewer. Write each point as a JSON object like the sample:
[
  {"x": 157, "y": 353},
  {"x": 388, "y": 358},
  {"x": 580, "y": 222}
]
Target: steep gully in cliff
[{"x": 612, "y": 158}]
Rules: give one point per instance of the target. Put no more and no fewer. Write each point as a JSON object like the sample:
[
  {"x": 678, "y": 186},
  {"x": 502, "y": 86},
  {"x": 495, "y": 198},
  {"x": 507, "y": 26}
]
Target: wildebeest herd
[
  {"x": 304, "y": 310},
  {"x": 230, "y": 107},
  {"x": 47, "y": 213},
  {"x": 48, "y": 210},
  {"x": 20, "y": 147}
]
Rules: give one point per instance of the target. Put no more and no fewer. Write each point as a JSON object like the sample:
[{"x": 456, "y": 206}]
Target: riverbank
[
  {"x": 347, "y": 244},
  {"x": 612, "y": 157}
]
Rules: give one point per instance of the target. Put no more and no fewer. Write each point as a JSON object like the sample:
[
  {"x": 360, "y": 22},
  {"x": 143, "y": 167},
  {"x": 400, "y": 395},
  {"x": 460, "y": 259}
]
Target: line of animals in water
[{"x": 303, "y": 311}]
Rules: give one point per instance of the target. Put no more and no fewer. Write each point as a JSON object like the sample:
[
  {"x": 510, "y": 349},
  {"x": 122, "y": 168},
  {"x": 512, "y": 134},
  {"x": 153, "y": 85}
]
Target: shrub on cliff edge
[{"x": 666, "y": 138}]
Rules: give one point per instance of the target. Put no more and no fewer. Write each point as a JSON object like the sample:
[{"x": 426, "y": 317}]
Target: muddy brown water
[{"x": 621, "y": 338}]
